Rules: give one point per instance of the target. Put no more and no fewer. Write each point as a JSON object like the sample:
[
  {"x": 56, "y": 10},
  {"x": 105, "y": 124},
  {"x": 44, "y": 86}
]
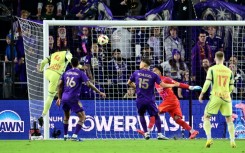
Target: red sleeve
[
  {"x": 171, "y": 81},
  {"x": 183, "y": 85},
  {"x": 168, "y": 80}
]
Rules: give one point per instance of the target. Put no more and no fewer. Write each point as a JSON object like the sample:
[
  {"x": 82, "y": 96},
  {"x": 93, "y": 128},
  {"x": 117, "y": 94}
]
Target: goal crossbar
[{"x": 142, "y": 23}]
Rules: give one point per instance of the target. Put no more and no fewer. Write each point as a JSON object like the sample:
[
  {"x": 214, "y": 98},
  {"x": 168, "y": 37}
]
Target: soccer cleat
[
  {"x": 40, "y": 121},
  {"x": 65, "y": 137},
  {"x": 141, "y": 132},
  {"x": 75, "y": 139},
  {"x": 193, "y": 135},
  {"x": 233, "y": 144},
  {"x": 162, "y": 137},
  {"x": 147, "y": 135},
  {"x": 209, "y": 143}
]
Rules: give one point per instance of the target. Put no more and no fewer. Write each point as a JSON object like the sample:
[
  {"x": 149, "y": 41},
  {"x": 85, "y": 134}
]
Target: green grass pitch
[{"x": 119, "y": 146}]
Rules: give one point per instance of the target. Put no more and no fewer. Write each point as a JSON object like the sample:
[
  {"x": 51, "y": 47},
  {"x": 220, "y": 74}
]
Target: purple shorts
[
  {"x": 74, "y": 106},
  {"x": 150, "y": 107}
]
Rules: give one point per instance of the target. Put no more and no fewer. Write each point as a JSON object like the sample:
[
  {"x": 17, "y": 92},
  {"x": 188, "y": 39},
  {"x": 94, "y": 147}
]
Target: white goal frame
[{"x": 112, "y": 23}]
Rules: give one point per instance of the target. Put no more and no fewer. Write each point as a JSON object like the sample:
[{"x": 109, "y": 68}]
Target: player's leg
[
  {"x": 176, "y": 114},
  {"x": 207, "y": 128},
  {"x": 81, "y": 116},
  {"x": 153, "y": 111},
  {"x": 162, "y": 108},
  {"x": 77, "y": 108},
  {"x": 184, "y": 125},
  {"x": 151, "y": 122},
  {"x": 231, "y": 130},
  {"x": 226, "y": 110},
  {"x": 53, "y": 78},
  {"x": 211, "y": 108},
  {"x": 150, "y": 125},
  {"x": 141, "y": 111},
  {"x": 66, "y": 123},
  {"x": 142, "y": 107}
]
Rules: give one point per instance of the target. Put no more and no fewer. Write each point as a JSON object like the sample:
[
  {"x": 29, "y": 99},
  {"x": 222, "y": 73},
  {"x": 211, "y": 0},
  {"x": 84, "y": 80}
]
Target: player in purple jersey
[
  {"x": 143, "y": 81},
  {"x": 69, "y": 94}
]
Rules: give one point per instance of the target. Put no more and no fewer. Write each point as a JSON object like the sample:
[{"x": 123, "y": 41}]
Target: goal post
[
  {"x": 102, "y": 107},
  {"x": 46, "y": 131}
]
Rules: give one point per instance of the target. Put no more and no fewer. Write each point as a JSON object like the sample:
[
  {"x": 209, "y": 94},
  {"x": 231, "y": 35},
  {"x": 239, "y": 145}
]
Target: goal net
[
  {"x": 32, "y": 34},
  {"x": 110, "y": 66}
]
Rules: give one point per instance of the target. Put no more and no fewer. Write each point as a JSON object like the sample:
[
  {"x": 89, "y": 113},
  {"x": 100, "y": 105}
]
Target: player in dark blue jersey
[
  {"x": 69, "y": 94},
  {"x": 143, "y": 81}
]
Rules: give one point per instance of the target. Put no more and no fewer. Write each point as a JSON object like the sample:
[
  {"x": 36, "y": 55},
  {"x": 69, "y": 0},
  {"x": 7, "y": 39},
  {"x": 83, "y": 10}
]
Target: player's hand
[
  {"x": 102, "y": 94},
  {"x": 195, "y": 88},
  {"x": 81, "y": 67},
  {"x": 58, "y": 102},
  {"x": 200, "y": 98}
]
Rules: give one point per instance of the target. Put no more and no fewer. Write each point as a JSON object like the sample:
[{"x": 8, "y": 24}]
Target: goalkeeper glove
[{"x": 195, "y": 88}]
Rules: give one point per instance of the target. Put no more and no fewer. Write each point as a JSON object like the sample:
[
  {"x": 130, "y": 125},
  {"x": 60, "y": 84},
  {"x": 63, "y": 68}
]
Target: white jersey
[{"x": 121, "y": 39}]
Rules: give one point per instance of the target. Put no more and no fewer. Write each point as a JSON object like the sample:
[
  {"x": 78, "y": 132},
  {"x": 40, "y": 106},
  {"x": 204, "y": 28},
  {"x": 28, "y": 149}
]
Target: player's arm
[
  {"x": 207, "y": 83},
  {"x": 131, "y": 84},
  {"x": 69, "y": 57},
  {"x": 167, "y": 82},
  {"x": 131, "y": 81},
  {"x": 60, "y": 91},
  {"x": 231, "y": 84},
  {"x": 88, "y": 70},
  {"x": 181, "y": 85},
  {"x": 180, "y": 93},
  {"x": 166, "y": 85},
  {"x": 43, "y": 63},
  {"x": 91, "y": 85}
]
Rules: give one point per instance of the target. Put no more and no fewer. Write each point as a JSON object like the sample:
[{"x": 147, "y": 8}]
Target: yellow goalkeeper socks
[
  {"x": 207, "y": 128},
  {"x": 231, "y": 130},
  {"x": 47, "y": 104}
]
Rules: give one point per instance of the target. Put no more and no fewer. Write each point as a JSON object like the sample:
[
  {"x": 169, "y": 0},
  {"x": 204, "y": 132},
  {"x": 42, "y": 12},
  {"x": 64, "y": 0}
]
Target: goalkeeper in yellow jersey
[
  {"x": 222, "y": 81},
  {"x": 57, "y": 65}
]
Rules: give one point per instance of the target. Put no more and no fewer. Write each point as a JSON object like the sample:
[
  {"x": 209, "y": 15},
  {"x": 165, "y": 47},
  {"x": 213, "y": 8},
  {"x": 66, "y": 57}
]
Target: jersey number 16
[{"x": 70, "y": 82}]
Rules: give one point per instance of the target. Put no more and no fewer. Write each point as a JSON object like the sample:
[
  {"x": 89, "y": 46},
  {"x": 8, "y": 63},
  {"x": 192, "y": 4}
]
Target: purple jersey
[
  {"x": 145, "y": 83},
  {"x": 72, "y": 80}
]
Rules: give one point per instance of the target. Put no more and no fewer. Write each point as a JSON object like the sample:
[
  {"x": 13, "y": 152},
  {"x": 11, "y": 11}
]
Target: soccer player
[
  {"x": 69, "y": 94},
  {"x": 57, "y": 65},
  {"x": 222, "y": 81},
  {"x": 171, "y": 103},
  {"x": 143, "y": 81}
]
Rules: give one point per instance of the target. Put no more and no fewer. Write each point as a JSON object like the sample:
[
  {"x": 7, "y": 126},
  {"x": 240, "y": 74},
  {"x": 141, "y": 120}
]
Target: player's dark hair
[
  {"x": 160, "y": 68},
  {"x": 74, "y": 62},
  {"x": 219, "y": 55},
  {"x": 147, "y": 61}
]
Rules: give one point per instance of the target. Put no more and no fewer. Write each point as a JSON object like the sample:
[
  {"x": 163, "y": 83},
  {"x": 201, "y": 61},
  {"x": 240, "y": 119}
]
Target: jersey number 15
[{"x": 143, "y": 83}]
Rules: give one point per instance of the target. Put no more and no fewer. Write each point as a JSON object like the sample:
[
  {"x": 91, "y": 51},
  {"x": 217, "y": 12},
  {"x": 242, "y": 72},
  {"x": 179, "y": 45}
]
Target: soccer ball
[{"x": 103, "y": 39}]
